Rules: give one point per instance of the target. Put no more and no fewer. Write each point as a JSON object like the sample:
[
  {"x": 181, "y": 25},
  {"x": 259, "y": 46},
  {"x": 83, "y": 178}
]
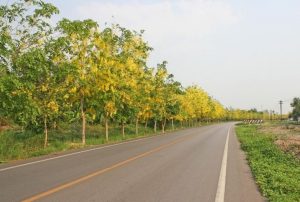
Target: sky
[{"x": 246, "y": 54}]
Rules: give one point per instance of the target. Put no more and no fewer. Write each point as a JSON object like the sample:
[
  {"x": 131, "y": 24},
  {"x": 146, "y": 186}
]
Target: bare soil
[
  {"x": 2, "y": 128},
  {"x": 288, "y": 137}
]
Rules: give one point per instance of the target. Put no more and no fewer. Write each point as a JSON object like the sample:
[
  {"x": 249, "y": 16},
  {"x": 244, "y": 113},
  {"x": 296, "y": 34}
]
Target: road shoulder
[{"x": 240, "y": 184}]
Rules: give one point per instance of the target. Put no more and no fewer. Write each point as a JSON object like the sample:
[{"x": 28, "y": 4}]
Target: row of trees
[
  {"x": 77, "y": 71},
  {"x": 252, "y": 114}
]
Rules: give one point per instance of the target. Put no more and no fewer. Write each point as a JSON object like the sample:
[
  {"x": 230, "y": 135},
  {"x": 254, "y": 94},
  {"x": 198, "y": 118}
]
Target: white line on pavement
[{"x": 220, "y": 195}]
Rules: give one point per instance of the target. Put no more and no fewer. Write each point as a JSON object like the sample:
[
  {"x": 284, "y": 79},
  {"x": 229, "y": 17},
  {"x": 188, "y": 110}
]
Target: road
[{"x": 197, "y": 164}]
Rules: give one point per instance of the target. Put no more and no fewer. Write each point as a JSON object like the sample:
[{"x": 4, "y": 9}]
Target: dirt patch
[
  {"x": 281, "y": 129},
  {"x": 3, "y": 128},
  {"x": 290, "y": 144},
  {"x": 288, "y": 136}
]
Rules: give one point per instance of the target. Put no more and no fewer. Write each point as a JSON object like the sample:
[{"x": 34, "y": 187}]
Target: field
[
  {"x": 275, "y": 168},
  {"x": 288, "y": 136}
]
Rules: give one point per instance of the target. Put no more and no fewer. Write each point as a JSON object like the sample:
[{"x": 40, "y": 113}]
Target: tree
[
  {"x": 25, "y": 68},
  {"x": 173, "y": 89},
  {"x": 23, "y": 25},
  {"x": 79, "y": 36},
  {"x": 142, "y": 99},
  {"x": 131, "y": 60},
  {"x": 105, "y": 74},
  {"x": 132, "y": 82},
  {"x": 158, "y": 95},
  {"x": 217, "y": 111},
  {"x": 40, "y": 85},
  {"x": 196, "y": 102},
  {"x": 296, "y": 109},
  {"x": 186, "y": 110}
]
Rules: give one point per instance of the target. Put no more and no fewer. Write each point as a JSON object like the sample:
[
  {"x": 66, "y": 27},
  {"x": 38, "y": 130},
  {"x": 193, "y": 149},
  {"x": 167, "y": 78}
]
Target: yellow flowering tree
[{"x": 79, "y": 37}]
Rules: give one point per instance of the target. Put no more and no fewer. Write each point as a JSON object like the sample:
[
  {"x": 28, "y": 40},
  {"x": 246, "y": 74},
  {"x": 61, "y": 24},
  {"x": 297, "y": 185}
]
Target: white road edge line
[
  {"x": 75, "y": 153},
  {"x": 220, "y": 195}
]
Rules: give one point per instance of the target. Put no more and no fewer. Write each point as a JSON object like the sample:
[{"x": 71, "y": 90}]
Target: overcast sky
[{"x": 244, "y": 53}]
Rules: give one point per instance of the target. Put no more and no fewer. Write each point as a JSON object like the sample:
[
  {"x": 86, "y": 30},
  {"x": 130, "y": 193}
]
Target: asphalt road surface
[{"x": 198, "y": 164}]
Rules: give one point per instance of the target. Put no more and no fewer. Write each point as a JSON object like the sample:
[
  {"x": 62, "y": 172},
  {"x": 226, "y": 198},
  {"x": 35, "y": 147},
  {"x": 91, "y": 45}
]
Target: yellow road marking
[{"x": 82, "y": 179}]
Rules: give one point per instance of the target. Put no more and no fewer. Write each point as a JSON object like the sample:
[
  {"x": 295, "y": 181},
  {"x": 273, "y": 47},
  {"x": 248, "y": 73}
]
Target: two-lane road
[{"x": 189, "y": 165}]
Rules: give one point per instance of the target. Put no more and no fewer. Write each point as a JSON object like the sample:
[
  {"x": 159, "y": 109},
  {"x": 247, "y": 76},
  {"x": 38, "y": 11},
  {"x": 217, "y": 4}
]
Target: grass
[
  {"x": 277, "y": 173},
  {"x": 16, "y": 144}
]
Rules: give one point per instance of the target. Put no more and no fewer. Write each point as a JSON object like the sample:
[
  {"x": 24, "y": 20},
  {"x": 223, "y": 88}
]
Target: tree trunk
[
  {"x": 83, "y": 120},
  {"x": 163, "y": 125},
  {"x": 181, "y": 124},
  {"x": 136, "y": 126},
  {"x": 146, "y": 123},
  {"x": 155, "y": 122},
  {"x": 172, "y": 121},
  {"x": 54, "y": 125},
  {"x": 46, "y": 132},
  {"x": 123, "y": 130},
  {"x": 106, "y": 129}
]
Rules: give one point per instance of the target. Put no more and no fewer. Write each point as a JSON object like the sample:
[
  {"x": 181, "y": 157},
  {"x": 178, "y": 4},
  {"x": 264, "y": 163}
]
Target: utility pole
[{"x": 280, "y": 103}]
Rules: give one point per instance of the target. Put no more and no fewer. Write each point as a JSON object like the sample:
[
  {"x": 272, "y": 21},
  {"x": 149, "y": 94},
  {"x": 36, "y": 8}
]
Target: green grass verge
[
  {"x": 16, "y": 144},
  {"x": 277, "y": 173}
]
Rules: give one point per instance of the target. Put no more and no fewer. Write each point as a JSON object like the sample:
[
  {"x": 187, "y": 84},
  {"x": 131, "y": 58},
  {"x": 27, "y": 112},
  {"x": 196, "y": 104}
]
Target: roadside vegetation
[
  {"x": 17, "y": 144},
  {"x": 275, "y": 168},
  {"x": 75, "y": 71},
  {"x": 67, "y": 85},
  {"x": 287, "y": 136}
]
